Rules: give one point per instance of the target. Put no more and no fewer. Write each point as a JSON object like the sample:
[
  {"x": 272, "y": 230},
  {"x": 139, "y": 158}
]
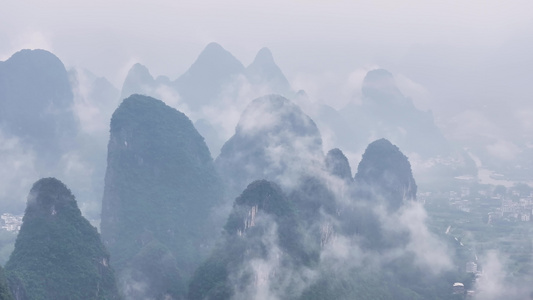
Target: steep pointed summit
[
  {"x": 58, "y": 253},
  {"x": 379, "y": 85},
  {"x": 337, "y": 164},
  {"x": 387, "y": 172},
  {"x": 214, "y": 68},
  {"x": 138, "y": 81},
  {"x": 264, "y": 56},
  {"x": 264, "y": 71},
  {"x": 48, "y": 197},
  {"x": 214, "y": 55}
]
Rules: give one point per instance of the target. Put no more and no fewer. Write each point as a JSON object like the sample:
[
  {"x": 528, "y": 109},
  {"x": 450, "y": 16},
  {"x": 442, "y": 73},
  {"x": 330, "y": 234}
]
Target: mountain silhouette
[
  {"x": 161, "y": 192},
  {"x": 58, "y": 253}
]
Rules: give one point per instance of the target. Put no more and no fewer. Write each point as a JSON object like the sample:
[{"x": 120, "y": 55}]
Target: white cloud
[
  {"x": 505, "y": 150},
  {"x": 17, "y": 172},
  {"x": 469, "y": 124},
  {"x": 430, "y": 252},
  {"x": 26, "y": 40},
  {"x": 415, "y": 91},
  {"x": 496, "y": 283},
  {"x": 331, "y": 88}
]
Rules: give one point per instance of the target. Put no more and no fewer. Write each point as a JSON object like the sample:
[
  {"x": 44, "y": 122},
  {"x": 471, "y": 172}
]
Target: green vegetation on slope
[
  {"x": 385, "y": 168},
  {"x": 160, "y": 187},
  {"x": 5, "y": 294},
  {"x": 58, "y": 253},
  {"x": 262, "y": 219}
]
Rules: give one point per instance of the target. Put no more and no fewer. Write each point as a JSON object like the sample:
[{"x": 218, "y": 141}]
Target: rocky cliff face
[
  {"x": 386, "y": 173},
  {"x": 273, "y": 140},
  {"x": 262, "y": 230},
  {"x": 262, "y": 197},
  {"x": 58, "y": 253},
  {"x": 161, "y": 188}
]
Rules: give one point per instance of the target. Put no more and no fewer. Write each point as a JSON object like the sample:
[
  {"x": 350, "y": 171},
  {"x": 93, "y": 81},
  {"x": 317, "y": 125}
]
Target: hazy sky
[{"x": 465, "y": 51}]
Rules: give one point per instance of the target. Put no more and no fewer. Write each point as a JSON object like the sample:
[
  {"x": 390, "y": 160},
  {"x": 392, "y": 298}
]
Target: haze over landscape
[
  {"x": 464, "y": 61},
  {"x": 274, "y": 150}
]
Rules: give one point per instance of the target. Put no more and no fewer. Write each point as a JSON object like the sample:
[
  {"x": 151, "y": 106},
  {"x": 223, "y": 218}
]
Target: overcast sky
[{"x": 468, "y": 52}]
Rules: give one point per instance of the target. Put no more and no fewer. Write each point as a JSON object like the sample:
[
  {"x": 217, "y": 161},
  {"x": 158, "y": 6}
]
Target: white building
[{"x": 11, "y": 222}]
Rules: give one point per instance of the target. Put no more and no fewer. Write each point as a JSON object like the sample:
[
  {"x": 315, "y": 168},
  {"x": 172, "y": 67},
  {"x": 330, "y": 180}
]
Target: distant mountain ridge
[
  {"x": 36, "y": 102},
  {"x": 386, "y": 112},
  {"x": 216, "y": 81},
  {"x": 205, "y": 80},
  {"x": 138, "y": 81},
  {"x": 264, "y": 71},
  {"x": 38, "y": 125}
]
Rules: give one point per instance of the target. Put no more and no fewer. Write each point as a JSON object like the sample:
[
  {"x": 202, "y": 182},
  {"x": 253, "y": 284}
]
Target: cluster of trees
[{"x": 58, "y": 254}]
